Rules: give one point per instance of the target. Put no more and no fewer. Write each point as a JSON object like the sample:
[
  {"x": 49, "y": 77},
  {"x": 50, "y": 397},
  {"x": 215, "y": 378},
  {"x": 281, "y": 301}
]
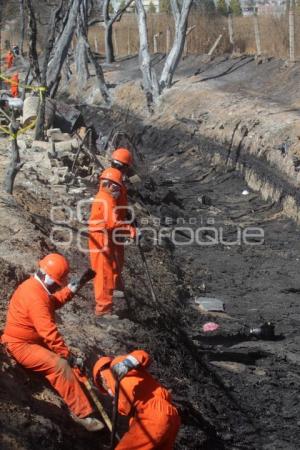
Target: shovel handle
[
  {"x": 84, "y": 379},
  {"x": 115, "y": 415},
  {"x": 99, "y": 405}
]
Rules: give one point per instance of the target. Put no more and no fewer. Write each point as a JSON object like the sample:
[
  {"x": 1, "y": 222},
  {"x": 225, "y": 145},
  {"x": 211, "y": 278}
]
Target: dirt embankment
[
  {"x": 234, "y": 391},
  {"x": 247, "y": 110}
]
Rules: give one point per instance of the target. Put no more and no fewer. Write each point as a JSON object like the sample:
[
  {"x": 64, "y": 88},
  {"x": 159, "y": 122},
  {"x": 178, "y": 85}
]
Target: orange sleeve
[
  {"x": 126, "y": 401},
  {"x": 42, "y": 317},
  {"x": 61, "y": 297}
]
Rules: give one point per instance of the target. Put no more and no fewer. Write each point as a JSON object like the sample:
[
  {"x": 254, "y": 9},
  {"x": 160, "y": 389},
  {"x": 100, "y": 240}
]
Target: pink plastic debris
[{"x": 210, "y": 326}]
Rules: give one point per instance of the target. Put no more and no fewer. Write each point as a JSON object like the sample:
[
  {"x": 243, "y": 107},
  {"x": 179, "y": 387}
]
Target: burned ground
[{"x": 234, "y": 392}]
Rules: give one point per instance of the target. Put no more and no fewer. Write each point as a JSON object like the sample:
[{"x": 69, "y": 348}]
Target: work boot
[{"x": 89, "y": 423}]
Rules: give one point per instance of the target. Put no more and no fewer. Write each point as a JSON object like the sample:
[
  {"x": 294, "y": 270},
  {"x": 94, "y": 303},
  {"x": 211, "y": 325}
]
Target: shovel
[
  {"x": 115, "y": 416},
  {"x": 147, "y": 273},
  {"x": 84, "y": 379}
]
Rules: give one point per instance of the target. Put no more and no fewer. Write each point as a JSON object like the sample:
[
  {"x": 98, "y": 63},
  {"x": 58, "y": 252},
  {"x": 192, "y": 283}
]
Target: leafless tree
[
  {"x": 152, "y": 87},
  {"x": 32, "y": 31},
  {"x": 15, "y": 164},
  {"x": 181, "y": 21},
  {"x": 76, "y": 17},
  {"x": 150, "y": 82},
  {"x": 39, "y": 131},
  {"x": 22, "y": 26},
  {"x": 108, "y": 23},
  {"x": 81, "y": 55},
  {"x": 62, "y": 45}
]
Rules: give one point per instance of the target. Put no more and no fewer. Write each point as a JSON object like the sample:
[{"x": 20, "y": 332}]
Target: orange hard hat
[
  {"x": 56, "y": 266},
  {"x": 123, "y": 155},
  {"x": 113, "y": 175},
  {"x": 102, "y": 363}
]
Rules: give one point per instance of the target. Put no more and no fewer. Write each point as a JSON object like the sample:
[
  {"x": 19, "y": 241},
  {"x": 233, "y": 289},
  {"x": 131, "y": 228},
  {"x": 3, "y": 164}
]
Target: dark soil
[{"x": 234, "y": 392}]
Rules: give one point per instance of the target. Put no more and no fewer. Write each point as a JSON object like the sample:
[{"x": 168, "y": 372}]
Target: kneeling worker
[
  {"x": 32, "y": 338},
  {"x": 154, "y": 420}
]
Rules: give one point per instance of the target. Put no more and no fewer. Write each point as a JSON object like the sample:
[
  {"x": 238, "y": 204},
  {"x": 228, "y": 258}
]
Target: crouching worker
[
  {"x": 32, "y": 338},
  {"x": 154, "y": 420}
]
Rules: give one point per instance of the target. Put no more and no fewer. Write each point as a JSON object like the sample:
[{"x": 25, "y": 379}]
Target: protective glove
[
  {"x": 77, "y": 282},
  {"x": 122, "y": 368},
  {"x": 76, "y": 362}
]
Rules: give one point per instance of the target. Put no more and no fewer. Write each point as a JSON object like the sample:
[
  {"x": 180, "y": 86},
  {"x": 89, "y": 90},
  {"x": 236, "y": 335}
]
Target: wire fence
[{"x": 276, "y": 36}]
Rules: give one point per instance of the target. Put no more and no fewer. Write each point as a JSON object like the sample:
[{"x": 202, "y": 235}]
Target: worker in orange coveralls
[
  {"x": 32, "y": 338},
  {"x": 121, "y": 160},
  {"x": 154, "y": 420},
  {"x": 103, "y": 224},
  {"x": 9, "y": 59},
  {"x": 14, "y": 83}
]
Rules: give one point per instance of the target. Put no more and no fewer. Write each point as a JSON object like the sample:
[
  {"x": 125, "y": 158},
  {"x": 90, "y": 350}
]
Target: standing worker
[
  {"x": 121, "y": 160},
  {"x": 103, "y": 224},
  {"x": 14, "y": 83},
  {"x": 9, "y": 59},
  {"x": 32, "y": 338},
  {"x": 154, "y": 420}
]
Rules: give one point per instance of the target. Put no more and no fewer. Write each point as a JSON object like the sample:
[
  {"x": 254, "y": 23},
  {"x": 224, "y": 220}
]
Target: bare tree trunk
[
  {"x": 108, "y": 22},
  {"x": 109, "y": 47},
  {"x": 81, "y": 60},
  {"x": 14, "y": 165},
  {"x": 100, "y": 77},
  {"x": 62, "y": 46},
  {"x": 181, "y": 21},
  {"x": 33, "y": 56},
  {"x": 81, "y": 56},
  {"x": 22, "y": 26},
  {"x": 39, "y": 130},
  {"x": 150, "y": 83}
]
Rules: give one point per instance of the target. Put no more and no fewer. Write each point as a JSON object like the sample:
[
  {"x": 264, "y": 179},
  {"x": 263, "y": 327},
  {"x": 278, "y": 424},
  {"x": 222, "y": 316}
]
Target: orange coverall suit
[
  {"x": 103, "y": 220},
  {"x": 14, "y": 83},
  {"x": 32, "y": 338},
  {"x": 154, "y": 421},
  {"x": 9, "y": 59}
]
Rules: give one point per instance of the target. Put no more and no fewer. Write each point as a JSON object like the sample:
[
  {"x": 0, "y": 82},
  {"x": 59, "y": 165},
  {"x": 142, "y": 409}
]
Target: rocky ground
[{"x": 234, "y": 391}]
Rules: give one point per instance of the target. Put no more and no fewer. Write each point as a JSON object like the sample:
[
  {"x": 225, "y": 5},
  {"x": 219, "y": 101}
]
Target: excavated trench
[{"x": 234, "y": 392}]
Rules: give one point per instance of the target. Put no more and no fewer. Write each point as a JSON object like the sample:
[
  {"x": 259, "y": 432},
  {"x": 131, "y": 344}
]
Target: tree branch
[{"x": 121, "y": 11}]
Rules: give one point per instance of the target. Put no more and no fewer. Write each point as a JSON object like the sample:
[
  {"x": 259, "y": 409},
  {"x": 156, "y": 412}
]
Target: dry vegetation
[{"x": 274, "y": 34}]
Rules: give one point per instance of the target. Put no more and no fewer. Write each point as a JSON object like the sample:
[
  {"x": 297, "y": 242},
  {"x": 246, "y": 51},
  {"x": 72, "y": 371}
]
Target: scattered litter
[
  {"x": 210, "y": 326},
  {"x": 245, "y": 192},
  {"x": 231, "y": 366},
  {"x": 210, "y": 304}
]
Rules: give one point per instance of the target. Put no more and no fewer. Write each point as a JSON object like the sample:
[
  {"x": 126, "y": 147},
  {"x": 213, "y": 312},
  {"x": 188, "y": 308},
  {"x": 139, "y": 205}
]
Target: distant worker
[
  {"x": 32, "y": 338},
  {"x": 121, "y": 160},
  {"x": 14, "y": 83},
  {"x": 16, "y": 50},
  {"x": 9, "y": 59},
  {"x": 103, "y": 225},
  {"x": 154, "y": 420}
]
